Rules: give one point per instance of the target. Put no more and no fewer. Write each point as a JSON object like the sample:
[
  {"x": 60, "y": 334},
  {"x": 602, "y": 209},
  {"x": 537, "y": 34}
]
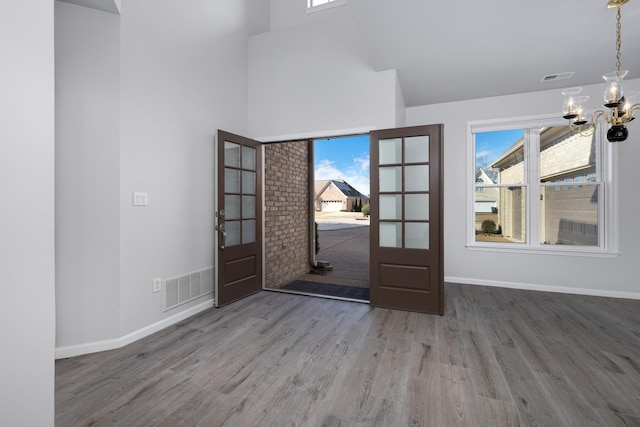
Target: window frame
[
  {"x": 606, "y": 170},
  {"x": 323, "y": 6}
]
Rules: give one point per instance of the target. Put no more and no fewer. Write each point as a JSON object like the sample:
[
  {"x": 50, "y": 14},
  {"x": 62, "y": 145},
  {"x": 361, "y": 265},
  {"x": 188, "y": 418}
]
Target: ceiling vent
[{"x": 558, "y": 76}]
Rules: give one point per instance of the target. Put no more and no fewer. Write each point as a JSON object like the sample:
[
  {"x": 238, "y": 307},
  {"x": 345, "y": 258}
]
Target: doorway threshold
[{"x": 312, "y": 294}]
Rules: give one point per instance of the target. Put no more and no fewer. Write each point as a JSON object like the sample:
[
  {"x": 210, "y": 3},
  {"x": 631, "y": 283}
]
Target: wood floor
[{"x": 498, "y": 357}]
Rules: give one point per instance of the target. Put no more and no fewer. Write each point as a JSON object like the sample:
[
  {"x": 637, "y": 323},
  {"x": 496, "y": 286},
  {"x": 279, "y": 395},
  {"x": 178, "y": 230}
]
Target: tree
[{"x": 483, "y": 163}]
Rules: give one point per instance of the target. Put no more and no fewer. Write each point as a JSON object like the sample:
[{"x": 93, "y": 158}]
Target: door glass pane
[
  {"x": 416, "y": 178},
  {"x": 569, "y": 215},
  {"x": 416, "y": 149},
  {"x": 231, "y": 154},
  {"x": 249, "y": 158},
  {"x": 231, "y": 180},
  {"x": 500, "y": 214},
  {"x": 416, "y": 206},
  {"x": 390, "y": 178},
  {"x": 390, "y": 206},
  {"x": 249, "y": 231},
  {"x": 231, "y": 206},
  {"x": 390, "y": 151},
  {"x": 248, "y": 206},
  {"x": 248, "y": 182},
  {"x": 232, "y": 229},
  {"x": 391, "y": 234},
  {"x": 416, "y": 235}
]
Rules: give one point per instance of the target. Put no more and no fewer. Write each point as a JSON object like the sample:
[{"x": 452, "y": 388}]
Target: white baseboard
[
  {"x": 94, "y": 347},
  {"x": 544, "y": 288}
]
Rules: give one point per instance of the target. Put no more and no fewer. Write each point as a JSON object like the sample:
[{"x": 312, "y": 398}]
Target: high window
[
  {"x": 318, "y": 5},
  {"x": 538, "y": 186}
]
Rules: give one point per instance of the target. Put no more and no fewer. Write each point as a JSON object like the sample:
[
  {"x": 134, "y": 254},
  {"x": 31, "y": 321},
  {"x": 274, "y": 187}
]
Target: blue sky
[
  {"x": 348, "y": 157},
  {"x": 490, "y": 145},
  {"x": 344, "y": 158}
]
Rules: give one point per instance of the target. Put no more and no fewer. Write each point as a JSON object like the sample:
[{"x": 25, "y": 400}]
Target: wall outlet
[{"x": 157, "y": 284}]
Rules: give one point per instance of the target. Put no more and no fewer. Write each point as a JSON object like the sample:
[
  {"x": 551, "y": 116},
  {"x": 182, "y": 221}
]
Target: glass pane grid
[{"x": 240, "y": 194}]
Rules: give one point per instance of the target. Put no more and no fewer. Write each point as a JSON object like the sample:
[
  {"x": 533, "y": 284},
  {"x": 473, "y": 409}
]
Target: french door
[
  {"x": 406, "y": 249},
  {"x": 406, "y": 256},
  {"x": 238, "y": 218}
]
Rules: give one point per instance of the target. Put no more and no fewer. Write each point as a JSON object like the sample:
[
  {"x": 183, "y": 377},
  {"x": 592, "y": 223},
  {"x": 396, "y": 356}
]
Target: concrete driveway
[
  {"x": 344, "y": 242},
  {"x": 340, "y": 220}
]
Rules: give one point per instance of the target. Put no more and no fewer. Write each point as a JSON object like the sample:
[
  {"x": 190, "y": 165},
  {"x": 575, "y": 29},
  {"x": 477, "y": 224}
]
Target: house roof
[{"x": 341, "y": 184}]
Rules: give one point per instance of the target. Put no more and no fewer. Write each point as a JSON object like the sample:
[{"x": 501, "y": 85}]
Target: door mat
[{"x": 352, "y": 292}]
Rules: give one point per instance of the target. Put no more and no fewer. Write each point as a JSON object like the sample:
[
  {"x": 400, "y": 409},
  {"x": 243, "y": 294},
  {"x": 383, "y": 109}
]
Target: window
[
  {"x": 539, "y": 186},
  {"x": 318, "y": 5}
]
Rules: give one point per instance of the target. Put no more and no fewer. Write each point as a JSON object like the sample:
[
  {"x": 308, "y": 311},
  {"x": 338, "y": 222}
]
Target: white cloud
[{"x": 357, "y": 175}]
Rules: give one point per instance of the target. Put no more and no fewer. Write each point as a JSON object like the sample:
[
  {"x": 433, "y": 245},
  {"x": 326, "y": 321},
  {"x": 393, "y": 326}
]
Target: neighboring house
[
  {"x": 569, "y": 209},
  {"x": 486, "y": 202},
  {"x": 335, "y": 195}
]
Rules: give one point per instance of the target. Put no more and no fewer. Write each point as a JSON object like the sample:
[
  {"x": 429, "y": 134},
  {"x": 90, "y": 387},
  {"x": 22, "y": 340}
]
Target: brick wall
[{"x": 286, "y": 213}]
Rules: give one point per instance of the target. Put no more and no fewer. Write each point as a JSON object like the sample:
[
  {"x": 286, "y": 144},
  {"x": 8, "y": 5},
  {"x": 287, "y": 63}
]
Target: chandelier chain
[{"x": 618, "y": 39}]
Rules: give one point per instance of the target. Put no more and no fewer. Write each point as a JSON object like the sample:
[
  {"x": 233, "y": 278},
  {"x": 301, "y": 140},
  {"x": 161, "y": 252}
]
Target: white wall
[
  {"x": 87, "y": 174},
  {"x": 141, "y": 96},
  {"x": 600, "y": 276},
  {"x": 315, "y": 77},
  {"x": 27, "y": 319},
  {"x": 183, "y": 75}
]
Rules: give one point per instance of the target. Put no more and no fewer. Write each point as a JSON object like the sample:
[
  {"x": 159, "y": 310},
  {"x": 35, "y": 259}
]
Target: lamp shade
[
  {"x": 580, "y": 102},
  {"x": 569, "y": 104},
  {"x": 613, "y": 91}
]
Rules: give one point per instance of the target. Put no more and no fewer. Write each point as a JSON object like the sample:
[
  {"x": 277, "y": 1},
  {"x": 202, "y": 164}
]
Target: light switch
[{"x": 140, "y": 199}]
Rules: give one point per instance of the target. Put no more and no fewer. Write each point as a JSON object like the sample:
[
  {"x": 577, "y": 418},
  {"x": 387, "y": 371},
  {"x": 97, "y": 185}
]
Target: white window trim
[
  {"x": 607, "y": 161},
  {"x": 325, "y": 6}
]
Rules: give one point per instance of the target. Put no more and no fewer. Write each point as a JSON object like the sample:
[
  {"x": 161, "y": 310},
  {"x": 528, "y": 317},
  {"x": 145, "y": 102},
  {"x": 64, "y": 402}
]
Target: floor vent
[{"x": 182, "y": 289}]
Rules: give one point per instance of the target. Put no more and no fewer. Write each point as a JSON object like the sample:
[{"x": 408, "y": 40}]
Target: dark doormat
[{"x": 328, "y": 289}]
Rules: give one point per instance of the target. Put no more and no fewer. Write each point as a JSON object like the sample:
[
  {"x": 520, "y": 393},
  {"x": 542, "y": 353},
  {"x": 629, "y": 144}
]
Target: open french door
[
  {"x": 406, "y": 258},
  {"x": 238, "y": 218}
]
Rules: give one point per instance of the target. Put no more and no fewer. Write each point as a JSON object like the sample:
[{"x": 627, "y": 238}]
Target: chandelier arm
[
  {"x": 598, "y": 114},
  {"x": 583, "y": 130}
]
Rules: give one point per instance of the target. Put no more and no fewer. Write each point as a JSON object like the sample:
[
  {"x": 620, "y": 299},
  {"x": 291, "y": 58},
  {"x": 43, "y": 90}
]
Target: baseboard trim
[
  {"x": 544, "y": 288},
  {"x": 97, "y": 346}
]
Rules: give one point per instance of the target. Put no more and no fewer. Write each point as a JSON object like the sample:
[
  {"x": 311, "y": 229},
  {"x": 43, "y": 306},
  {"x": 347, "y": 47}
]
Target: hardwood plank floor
[{"x": 499, "y": 357}]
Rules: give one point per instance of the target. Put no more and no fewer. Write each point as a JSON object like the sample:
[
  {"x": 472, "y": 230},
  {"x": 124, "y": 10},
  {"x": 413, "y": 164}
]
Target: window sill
[
  {"x": 517, "y": 248},
  {"x": 325, "y": 6}
]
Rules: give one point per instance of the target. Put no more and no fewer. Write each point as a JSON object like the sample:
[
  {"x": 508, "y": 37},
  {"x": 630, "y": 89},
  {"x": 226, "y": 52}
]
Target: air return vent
[
  {"x": 188, "y": 287},
  {"x": 558, "y": 76}
]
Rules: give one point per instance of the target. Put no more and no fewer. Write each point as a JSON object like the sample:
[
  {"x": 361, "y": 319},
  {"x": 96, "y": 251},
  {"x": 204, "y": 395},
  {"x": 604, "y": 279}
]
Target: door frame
[{"x": 312, "y": 136}]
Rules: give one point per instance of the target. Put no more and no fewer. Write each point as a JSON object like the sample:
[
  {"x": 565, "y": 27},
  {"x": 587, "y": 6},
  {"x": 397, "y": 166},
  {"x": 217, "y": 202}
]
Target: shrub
[
  {"x": 489, "y": 226},
  {"x": 366, "y": 209},
  {"x": 317, "y": 242}
]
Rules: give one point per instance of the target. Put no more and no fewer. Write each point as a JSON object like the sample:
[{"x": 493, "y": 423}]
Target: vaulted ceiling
[
  {"x": 111, "y": 6},
  {"x": 453, "y": 50}
]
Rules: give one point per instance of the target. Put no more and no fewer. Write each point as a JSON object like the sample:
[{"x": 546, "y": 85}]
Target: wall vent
[
  {"x": 558, "y": 76},
  {"x": 188, "y": 287}
]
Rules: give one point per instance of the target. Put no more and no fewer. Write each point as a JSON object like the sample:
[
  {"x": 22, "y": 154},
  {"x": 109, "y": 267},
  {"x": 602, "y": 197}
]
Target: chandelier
[{"x": 620, "y": 108}]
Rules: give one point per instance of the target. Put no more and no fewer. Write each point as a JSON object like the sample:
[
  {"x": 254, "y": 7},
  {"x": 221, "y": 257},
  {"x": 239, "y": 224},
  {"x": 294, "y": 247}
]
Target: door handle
[{"x": 223, "y": 235}]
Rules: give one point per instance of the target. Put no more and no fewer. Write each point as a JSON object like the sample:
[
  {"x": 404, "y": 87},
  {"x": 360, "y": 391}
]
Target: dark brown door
[
  {"x": 239, "y": 218},
  {"x": 406, "y": 219}
]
